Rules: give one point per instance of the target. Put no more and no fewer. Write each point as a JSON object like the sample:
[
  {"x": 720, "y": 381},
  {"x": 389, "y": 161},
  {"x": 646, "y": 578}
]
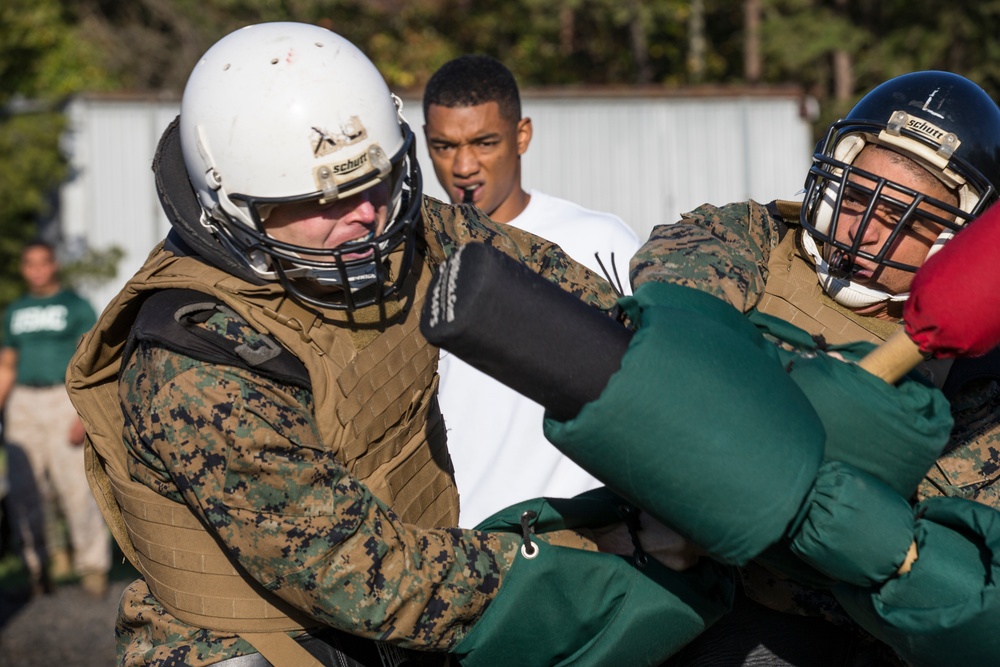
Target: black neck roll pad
[{"x": 517, "y": 327}]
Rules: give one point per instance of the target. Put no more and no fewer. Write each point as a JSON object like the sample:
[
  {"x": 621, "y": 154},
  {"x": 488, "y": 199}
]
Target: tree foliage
[
  {"x": 835, "y": 50},
  {"x": 43, "y": 58},
  {"x": 151, "y": 45}
]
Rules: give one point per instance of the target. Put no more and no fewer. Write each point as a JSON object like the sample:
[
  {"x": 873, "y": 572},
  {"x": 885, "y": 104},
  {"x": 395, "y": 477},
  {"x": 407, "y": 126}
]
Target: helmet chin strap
[
  {"x": 360, "y": 277},
  {"x": 844, "y": 291}
]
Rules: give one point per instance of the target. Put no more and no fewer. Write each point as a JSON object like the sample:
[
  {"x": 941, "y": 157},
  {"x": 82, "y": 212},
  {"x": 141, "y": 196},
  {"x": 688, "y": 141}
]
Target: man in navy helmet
[{"x": 912, "y": 164}]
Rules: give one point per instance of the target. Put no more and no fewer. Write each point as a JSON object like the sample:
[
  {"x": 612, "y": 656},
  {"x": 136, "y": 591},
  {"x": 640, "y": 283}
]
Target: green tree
[
  {"x": 42, "y": 60},
  {"x": 803, "y": 39}
]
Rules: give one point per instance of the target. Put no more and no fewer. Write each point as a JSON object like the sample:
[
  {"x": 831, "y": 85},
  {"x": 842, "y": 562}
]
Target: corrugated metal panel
[
  {"x": 649, "y": 159},
  {"x": 645, "y": 158},
  {"x": 111, "y": 199}
]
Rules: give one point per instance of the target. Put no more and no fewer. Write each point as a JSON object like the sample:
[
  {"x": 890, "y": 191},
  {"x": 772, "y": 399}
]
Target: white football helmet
[{"x": 280, "y": 113}]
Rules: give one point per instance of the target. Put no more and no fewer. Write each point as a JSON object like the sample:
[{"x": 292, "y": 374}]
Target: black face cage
[
  {"x": 830, "y": 183},
  {"x": 362, "y": 281}
]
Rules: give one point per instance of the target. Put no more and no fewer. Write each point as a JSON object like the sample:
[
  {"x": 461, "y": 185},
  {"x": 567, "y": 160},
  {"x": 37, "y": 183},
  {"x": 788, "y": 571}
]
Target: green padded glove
[
  {"x": 701, "y": 427},
  {"x": 946, "y": 609},
  {"x": 572, "y": 607},
  {"x": 855, "y": 529},
  {"x": 895, "y": 432}
]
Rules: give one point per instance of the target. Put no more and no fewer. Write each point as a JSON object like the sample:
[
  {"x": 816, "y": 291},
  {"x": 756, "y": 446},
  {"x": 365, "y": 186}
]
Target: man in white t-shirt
[{"x": 476, "y": 136}]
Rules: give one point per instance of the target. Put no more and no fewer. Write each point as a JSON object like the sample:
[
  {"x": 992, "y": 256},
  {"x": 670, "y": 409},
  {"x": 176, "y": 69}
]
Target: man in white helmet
[
  {"x": 915, "y": 161},
  {"x": 263, "y": 429}
]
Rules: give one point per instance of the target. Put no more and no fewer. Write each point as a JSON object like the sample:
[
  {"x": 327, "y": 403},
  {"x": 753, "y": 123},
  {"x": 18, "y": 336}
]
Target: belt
[{"x": 339, "y": 649}]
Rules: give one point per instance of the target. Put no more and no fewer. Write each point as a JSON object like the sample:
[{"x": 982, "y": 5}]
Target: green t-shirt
[{"x": 45, "y": 331}]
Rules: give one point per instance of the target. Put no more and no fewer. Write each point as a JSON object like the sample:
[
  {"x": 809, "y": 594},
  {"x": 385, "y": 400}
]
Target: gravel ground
[{"x": 68, "y": 628}]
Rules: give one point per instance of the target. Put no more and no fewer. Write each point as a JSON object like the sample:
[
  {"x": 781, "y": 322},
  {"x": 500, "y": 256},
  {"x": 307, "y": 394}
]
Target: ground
[{"x": 68, "y": 627}]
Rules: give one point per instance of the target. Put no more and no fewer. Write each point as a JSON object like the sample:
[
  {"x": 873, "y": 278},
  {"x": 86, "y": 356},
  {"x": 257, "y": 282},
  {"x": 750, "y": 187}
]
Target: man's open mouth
[{"x": 845, "y": 265}]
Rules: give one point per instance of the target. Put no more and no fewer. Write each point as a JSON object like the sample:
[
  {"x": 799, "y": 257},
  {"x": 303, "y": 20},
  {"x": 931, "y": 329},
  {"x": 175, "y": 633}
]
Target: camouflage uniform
[
  {"x": 246, "y": 452},
  {"x": 731, "y": 252}
]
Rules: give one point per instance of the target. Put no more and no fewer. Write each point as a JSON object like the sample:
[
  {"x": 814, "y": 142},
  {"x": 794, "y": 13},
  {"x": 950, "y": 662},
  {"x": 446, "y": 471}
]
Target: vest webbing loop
[
  {"x": 191, "y": 574},
  {"x": 199, "y": 584}
]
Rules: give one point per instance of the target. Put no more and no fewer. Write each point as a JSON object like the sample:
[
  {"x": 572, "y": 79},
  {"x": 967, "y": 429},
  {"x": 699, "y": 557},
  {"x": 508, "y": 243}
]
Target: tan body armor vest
[
  {"x": 374, "y": 387},
  {"x": 793, "y": 293}
]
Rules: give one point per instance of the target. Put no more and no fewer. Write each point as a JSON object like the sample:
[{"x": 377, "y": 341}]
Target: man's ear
[{"x": 523, "y": 135}]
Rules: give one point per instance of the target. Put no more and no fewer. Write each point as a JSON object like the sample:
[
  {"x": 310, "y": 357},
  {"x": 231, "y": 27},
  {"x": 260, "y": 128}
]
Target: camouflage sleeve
[
  {"x": 720, "y": 250},
  {"x": 241, "y": 450},
  {"x": 971, "y": 466},
  {"x": 447, "y": 227}
]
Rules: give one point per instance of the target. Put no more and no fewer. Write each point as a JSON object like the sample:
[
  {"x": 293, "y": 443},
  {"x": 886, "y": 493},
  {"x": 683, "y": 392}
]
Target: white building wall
[
  {"x": 645, "y": 158},
  {"x": 648, "y": 159},
  {"x": 110, "y": 198}
]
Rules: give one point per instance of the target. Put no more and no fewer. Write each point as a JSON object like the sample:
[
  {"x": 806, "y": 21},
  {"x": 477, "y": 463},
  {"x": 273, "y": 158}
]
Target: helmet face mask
[
  {"x": 285, "y": 113},
  {"x": 840, "y": 191},
  {"x": 936, "y": 122},
  {"x": 317, "y": 275}
]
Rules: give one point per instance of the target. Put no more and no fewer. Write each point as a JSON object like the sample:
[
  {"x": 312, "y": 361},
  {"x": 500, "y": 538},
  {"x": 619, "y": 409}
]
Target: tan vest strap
[
  {"x": 100, "y": 485},
  {"x": 787, "y": 209},
  {"x": 281, "y": 650},
  {"x": 190, "y": 573},
  {"x": 431, "y": 502}
]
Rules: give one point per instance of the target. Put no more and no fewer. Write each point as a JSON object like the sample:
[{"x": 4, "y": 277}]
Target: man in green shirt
[{"x": 43, "y": 432}]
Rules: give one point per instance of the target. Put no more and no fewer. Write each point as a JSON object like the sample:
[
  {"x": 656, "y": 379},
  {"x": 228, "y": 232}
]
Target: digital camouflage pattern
[
  {"x": 446, "y": 227},
  {"x": 722, "y": 251},
  {"x": 971, "y": 467},
  {"x": 240, "y": 450},
  {"x": 725, "y": 251},
  {"x": 243, "y": 452}
]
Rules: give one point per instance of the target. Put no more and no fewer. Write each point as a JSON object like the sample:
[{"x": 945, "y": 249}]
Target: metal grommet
[
  {"x": 534, "y": 550},
  {"x": 526, "y": 529}
]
